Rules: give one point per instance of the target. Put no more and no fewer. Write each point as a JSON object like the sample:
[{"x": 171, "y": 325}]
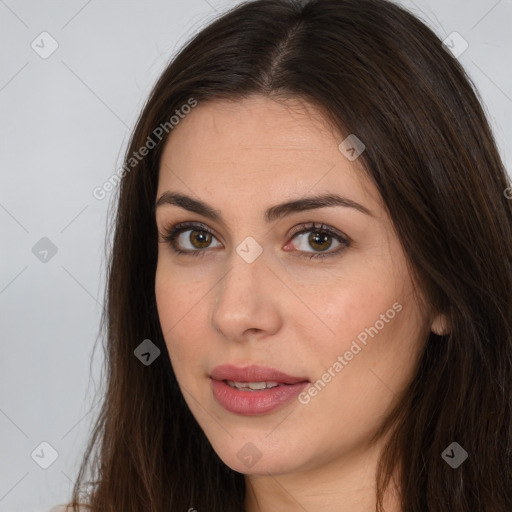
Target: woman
[{"x": 309, "y": 296}]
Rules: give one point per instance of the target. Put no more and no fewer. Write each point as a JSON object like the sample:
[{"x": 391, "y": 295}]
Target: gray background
[{"x": 65, "y": 121}]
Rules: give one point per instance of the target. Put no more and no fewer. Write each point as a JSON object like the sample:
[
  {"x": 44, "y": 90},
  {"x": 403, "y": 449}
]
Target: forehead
[{"x": 259, "y": 147}]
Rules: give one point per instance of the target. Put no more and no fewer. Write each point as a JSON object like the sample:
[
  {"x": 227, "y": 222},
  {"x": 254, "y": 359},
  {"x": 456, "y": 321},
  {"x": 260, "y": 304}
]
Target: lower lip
[{"x": 252, "y": 403}]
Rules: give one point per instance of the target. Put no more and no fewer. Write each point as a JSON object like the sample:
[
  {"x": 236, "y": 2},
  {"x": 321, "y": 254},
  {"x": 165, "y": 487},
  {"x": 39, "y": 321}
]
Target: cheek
[
  {"x": 373, "y": 329},
  {"x": 371, "y": 301},
  {"x": 178, "y": 295},
  {"x": 179, "y": 304},
  {"x": 348, "y": 311}
]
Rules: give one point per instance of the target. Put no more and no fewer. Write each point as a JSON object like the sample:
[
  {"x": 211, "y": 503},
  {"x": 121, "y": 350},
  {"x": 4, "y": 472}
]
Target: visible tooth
[
  {"x": 255, "y": 386},
  {"x": 237, "y": 385}
]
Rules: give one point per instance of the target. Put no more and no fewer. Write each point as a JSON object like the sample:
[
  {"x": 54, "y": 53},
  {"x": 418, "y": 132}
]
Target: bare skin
[{"x": 283, "y": 310}]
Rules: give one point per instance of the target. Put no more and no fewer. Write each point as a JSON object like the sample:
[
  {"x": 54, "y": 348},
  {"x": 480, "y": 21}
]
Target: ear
[{"x": 440, "y": 324}]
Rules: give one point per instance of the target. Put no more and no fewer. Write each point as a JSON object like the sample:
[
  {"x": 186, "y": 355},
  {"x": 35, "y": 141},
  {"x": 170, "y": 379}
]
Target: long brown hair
[{"x": 376, "y": 71}]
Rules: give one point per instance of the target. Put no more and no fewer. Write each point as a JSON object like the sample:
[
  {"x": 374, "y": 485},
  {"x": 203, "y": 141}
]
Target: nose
[{"x": 247, "y": 301}]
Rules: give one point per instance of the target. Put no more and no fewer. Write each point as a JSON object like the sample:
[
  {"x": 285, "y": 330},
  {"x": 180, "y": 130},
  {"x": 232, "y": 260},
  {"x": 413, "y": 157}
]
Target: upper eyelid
[{"x": 181, "y": 227}]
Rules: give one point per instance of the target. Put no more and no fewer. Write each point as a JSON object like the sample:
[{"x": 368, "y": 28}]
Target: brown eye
[
  {"x": 319, "y": 241},
  {"x": 199, "y": 237},
  {"x": 193, "y": 240}
]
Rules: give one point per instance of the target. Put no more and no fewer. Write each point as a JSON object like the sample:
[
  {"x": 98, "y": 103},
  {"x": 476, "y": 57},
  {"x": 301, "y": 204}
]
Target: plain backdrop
[{"x": 73, "y": 77}]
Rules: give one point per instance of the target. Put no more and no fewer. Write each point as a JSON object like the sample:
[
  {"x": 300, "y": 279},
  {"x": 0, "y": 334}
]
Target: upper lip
[{"x": 253, "y": 373}]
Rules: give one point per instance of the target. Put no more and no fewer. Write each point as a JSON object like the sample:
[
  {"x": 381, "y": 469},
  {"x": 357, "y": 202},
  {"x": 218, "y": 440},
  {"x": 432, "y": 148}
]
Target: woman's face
[{"x": 344, "y": 327}]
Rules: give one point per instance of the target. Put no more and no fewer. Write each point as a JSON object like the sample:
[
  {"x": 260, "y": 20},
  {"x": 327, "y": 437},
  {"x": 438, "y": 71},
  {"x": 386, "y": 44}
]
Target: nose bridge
[
  {"x": 242, "y": 299},
  {"x": 246, "y": 275}
]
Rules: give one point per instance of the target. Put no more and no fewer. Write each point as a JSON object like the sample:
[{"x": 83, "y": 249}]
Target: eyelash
[{"x": 172, "y": 233}]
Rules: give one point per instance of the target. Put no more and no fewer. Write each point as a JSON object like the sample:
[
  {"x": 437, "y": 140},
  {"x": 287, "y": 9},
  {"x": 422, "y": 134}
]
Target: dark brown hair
[{"x": 378, "y": 72}]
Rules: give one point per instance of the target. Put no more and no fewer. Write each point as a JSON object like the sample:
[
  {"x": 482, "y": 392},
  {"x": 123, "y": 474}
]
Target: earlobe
[{"x": 440, "y": 325}]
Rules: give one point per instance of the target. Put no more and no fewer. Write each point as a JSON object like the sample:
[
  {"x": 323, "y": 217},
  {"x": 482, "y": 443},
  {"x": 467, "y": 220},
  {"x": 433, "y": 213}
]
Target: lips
[
  {"x": 254, "y": 390},
  {"x": 254, "y": 374}
]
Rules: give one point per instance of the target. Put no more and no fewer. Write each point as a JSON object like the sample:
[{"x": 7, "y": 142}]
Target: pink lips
[{"x": 251, "y": 403}]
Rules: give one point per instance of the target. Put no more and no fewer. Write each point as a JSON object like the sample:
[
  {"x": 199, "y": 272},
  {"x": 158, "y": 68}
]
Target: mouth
[{"x": 254, "y": 390}]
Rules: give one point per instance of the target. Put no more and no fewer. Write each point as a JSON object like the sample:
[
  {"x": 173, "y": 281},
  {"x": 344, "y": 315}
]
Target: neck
[{"x": 346, "y": 484}]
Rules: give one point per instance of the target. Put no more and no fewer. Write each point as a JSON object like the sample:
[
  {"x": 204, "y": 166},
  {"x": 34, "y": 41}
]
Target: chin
[{"x": 255, "y": 455}]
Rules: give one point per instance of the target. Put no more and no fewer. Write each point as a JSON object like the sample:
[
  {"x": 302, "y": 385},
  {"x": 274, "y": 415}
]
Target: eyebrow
[{"x": 271, "y": 214}]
